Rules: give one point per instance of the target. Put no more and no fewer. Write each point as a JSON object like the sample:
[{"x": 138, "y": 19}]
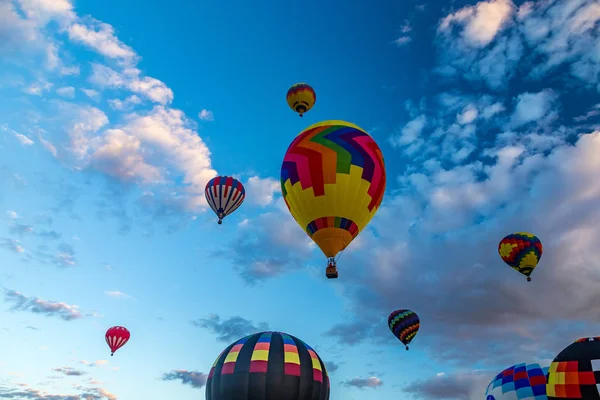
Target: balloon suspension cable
[{"x": 528, "y": 279}]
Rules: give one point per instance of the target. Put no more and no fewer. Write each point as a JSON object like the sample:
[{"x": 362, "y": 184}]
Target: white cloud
[
  {"x": 481, "y": 22},
  {"x": 402, "y": 40},
  {"x": 410, "y": 132},
  {"x": 468, "y": 115},
  {"x": 67, "y": 91},
  {"x": 24, "y": 140},
  {"x": 533, "y": 107},
  {"x": 91, "y": 93},
  {"x": 128, "y": 103},
  {"x": 101, "y": 37},
  {"x": 206, "y": 115},
  {"x": 131, "y": 79},
  {"x": 117, "y": 294},
  {"x": 38, "y": 88},
  {"x": 12, "y": 214},
  {"x": 261, "y": 191},
  {"x": 484, "y": 43}
]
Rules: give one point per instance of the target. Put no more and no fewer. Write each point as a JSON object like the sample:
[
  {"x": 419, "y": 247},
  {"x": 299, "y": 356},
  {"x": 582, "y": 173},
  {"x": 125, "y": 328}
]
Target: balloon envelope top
[
  {"x": 519, "y": 382},
  {"x": 268, "y": 366},
  {"x": 575, "y": 371}
]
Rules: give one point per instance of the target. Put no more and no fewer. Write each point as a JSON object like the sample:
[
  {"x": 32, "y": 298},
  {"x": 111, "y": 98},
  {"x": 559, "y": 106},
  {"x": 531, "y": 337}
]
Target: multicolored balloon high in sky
[
  {"x": 333, "y": 180},
  {"x": 404, "y": 324},
  {"x": 116, "y": 337},
  {"x": 519, "y": 382},
  {"x": 575, "y": 371},
  {"x": 301, "y": 97},
  {"x": 224, "y": 195},
  {"x": 266, "y": 366},
  {"x": 521, "y": 251}
]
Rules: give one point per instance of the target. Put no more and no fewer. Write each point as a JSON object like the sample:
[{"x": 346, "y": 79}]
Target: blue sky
[{"x": 114, "y": 115}]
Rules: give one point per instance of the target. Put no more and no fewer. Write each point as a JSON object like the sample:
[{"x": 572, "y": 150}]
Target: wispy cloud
[
  {"x": 371, "y": 382},
  {"x": 49, "y": 308},
  {"x": 230, "y": 329},
  {"x": 194, "y": 379}
]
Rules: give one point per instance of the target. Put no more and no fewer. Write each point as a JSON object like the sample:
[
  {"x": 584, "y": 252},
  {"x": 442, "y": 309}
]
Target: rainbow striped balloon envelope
[
  {"x": 333, "y": 180},
  {"x": 575, "y": 371},
  {"x": 268, "y": 366},
  {"x": 519, "y": 382}
]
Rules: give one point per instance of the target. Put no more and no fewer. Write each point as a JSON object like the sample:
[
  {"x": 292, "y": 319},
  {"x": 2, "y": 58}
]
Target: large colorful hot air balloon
[
  {"x": 404, "y": 324},
  {"x": 521, "y": 251},
  {"x": 224, "y": 195},
  {"x": 575, "y": 371},
  {"x": 301, "y": 97},
  {"x": 333, "y": 180},
  {"x": 519, "y": 382},
  {"x": 265, "y": 366},
  {"x": 116, "y": 337}
]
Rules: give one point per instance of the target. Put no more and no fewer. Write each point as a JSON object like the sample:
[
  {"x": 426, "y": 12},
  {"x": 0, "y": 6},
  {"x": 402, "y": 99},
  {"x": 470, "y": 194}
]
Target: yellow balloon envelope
[
  {"x": 333, "y": 180},
  {"x": 301, "y": 97}
]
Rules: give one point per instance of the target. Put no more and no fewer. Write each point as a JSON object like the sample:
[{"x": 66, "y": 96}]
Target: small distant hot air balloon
[
  {"x": 575, "y": 371},
  {"x": 116, "y": 337},
  {"x": 333, "y": 181},
  {"x": 301, "y": 97},
  {"x": 268, "y": 366},
  {"x": 404, "y": 324},
  {"x": 521, "y": 251},
  {"x": 224, "y": 195}
]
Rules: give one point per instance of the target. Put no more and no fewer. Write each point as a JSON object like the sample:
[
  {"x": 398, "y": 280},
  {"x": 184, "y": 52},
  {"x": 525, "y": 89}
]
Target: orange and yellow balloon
[
  {"x": 301, "y": 97},
  {"x": 333, "y": 180}
]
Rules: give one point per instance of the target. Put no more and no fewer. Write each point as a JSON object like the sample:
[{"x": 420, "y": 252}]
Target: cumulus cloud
[
  {"x": 456, "y": 386},
  {"x": 206, "y": 115},
  {"x": 262, "y": 252},
  {"x": 261, "y": 191},
  {"x": 492, "y": 41},
  {"x": 49, "y": 308},
  {"x": 371, "y": 382},
  {"x": 195, "y": 379},
  {"x": 230, "y": 329},
  {"x": 331, "y": 366},
  {"x": 66, "y": 91}
]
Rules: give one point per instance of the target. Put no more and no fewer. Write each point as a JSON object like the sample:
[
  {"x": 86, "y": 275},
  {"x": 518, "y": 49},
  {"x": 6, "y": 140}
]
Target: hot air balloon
[
  {"x": 521, "y": 251},
  {"x": 224, "y": 195},
  {"x": 404, "y": 324},
  {"x": 333, "y": 180},
  {"x": 116, "y": 337},
  {"x": 575, "y": 371},
  {"x": 519, "y": 382},
  {"x": 265, "y": 366},
  {"x": 301, "y": 97}
]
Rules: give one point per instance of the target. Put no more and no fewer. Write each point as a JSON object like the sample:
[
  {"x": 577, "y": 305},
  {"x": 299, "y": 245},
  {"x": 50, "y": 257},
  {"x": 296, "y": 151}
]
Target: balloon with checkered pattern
[
  {"x": 575, "y": 371},
  {"x": 519, "y": 382},
  {"x": 521, "y": 251}
]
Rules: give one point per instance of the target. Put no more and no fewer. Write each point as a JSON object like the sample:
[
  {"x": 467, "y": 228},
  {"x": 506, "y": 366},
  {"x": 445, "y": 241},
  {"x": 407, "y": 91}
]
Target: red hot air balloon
[{"x": 116, "y": 337}]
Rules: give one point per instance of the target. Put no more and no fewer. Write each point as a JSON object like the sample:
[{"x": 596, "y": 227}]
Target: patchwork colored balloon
[
  {"x": 521, "y": 251},
  {"x": 116, "y": 337},
  {"x": 333, "y": 180},
  {"x": 404, "y": 324},
  {"x": 301, "y": 97},
  {"x": 575, "y": 371},
  {"x": 519, "y": 382},
  {"x": 265, "y": 366},
  {"x": 224, "y": 195}
]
